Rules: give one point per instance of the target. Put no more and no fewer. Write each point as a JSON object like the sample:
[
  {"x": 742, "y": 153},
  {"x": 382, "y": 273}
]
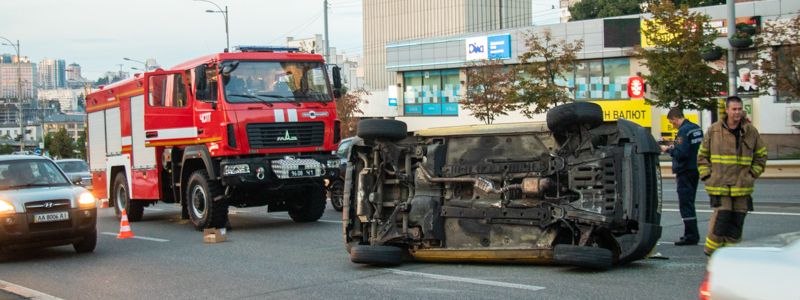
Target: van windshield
[{"x": 270, "y": 81}]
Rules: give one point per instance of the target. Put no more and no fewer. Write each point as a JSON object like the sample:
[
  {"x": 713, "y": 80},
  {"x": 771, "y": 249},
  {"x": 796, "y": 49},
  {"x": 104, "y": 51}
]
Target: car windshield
[
  {"x": 73, "y": 166},
  {"x": 343, "y": 146},
  {"x": 269, "y": 81},
  {"x": 30, "y": 173}
]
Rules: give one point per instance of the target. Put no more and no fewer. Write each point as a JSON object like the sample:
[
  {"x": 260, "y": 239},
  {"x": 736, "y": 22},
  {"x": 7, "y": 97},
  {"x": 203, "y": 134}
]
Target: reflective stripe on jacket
[{"x": 728, "y": 170}]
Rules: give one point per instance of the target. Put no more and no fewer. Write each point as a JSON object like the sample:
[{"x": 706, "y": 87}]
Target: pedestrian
[
  {"x": 730, "y": 159},
  {"x": 684, "y": 165}
]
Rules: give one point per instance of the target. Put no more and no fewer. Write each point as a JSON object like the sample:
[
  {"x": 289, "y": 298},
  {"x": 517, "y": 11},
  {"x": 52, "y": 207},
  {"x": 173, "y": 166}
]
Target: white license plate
[
  {"x": 51, "y": 217},
  {"x": 303, "y": 173}
]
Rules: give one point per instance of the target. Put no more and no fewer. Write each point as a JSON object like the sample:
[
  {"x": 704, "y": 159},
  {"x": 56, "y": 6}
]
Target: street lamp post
[
  {"x": 19, "y": 94},
  {"x": 224, "y": 15},
  {"x": 146, "y": 67}
]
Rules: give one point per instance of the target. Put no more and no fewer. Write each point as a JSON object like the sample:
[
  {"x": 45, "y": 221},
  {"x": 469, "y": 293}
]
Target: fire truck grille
[{"x": 283, "y": 135}]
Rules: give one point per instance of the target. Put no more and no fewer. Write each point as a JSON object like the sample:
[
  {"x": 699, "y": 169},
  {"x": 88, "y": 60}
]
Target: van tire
[
  {"x": 391, "y": 130},
  {"x": 562, "y": 118},
  {"x": 583, "y": 256},
  {"x": 376, "y": 255}
]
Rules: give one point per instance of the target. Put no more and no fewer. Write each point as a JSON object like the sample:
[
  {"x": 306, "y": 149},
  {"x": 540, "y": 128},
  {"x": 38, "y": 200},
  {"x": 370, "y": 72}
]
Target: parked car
[
  {"x": 583, "y": 193},
  {"x": 41, "y": 207},
  {"x": 336, "y": 186},
  {"x": 76, "y": 168},
  {"x": 756, "y": 272}
]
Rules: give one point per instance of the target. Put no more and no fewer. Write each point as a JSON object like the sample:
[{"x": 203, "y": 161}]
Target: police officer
[{"x": 684, "y": 166}]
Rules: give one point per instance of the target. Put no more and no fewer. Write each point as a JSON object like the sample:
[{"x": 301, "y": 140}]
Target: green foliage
[
  {"x": 490, "y": 90},
  {"x": 678, "y": 75},
  {"x": 594, "y": 9},
  {"x": 6, "y": 149},
  {"x": 545, "y": 61},
  {"x": 81, "y": 144},
  {"x": 60, "y": 144}
]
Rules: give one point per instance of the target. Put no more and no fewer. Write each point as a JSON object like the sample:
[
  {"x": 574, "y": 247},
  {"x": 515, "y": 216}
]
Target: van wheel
[
  {"x": 204, "y": 211},
  {"x": 87, "y": 244},
  {"x": 392, "y": 130},
  {"x": 376, "y": 255},
  {"x": 569, "y": 117},
  {"x": 134, "y": 209},
  {"x": 309, "y": 206},
  {"x": 583, "y": 256}
]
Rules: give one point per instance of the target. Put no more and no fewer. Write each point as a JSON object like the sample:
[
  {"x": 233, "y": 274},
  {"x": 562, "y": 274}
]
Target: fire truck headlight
[
  {"x": 236, "y": 169},
  {"x": 333, "y": 164}
]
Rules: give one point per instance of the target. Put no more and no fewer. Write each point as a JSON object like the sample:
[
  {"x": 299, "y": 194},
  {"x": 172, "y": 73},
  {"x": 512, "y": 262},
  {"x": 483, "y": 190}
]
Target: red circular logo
[{"x": 635, "y": 87}]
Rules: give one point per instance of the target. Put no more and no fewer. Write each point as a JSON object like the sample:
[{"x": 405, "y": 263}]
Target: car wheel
[
  {"x": 392, "y": 130},
  {"x": 204, "y": 211},
  {"x": 376, "y": 255},
  {"x": 564, "y": 118},
  {"x": 337, "y": 194},
  {"x": 134, "y": 209},
  {"x": 308, "y": 208},
  {"x": 582, "y": 256},
  {"x": 87, "y": 244}
]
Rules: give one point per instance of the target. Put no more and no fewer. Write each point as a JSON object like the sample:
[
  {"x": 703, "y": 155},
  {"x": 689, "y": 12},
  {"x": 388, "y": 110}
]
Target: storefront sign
[
  {"x": 491, "y": 47},
  {"x": 635, "y": 87},
  {"x": 668, "y": 131},
  {"x": 636, "y": 111}
]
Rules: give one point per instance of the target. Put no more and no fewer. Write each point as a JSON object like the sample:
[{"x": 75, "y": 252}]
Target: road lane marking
[
  {"x": 25, "y": 292},
  {"x": 140, "y": 237},
  {"x": 468, "y": 280},
  {"x": 770, "y": 213},
  {"x": 154, "y": 209}
]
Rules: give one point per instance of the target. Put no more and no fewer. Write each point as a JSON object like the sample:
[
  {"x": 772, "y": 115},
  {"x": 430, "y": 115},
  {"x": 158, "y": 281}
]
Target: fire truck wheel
[
  {"x": 134, "y": 209},
  {"x": 309, "y": 205},
  {"x": 203, "y": 210}
]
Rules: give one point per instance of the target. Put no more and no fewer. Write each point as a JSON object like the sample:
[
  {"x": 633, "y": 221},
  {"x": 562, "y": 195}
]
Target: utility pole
[
  {"x": 19, "y": 94},
  {"x": 327, "y": 39},
  {"x": 731, "y": 4}
]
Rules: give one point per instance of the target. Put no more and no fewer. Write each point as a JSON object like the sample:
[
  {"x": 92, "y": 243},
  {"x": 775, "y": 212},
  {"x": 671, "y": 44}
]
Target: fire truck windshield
[{"x": 270, "y": 81}]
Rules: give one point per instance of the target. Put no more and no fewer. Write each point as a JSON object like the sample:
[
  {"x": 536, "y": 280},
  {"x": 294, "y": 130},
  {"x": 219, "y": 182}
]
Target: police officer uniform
[{"x": 684, "y": 166}]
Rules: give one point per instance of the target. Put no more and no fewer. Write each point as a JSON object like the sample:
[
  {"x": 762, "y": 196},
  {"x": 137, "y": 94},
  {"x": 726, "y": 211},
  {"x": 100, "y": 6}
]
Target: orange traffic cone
[{"x": 124, "y": 227}]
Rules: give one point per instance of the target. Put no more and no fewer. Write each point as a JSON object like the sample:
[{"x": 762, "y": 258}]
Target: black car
[{"x": 336, "y": 186}]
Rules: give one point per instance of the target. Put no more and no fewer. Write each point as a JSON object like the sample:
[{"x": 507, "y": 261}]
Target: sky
[{"x": 97, "y": 34}]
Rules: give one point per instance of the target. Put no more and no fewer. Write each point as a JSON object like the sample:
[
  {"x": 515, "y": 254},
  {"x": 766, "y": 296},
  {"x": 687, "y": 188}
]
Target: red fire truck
[{"x": 252, "y": 127}]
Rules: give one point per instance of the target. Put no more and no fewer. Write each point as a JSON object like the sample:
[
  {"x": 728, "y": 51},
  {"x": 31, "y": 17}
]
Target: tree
[
  {"x": 545, "y": 64},
  {"x": 678, "y": 75},
  {"x": 594, "y": 9},
  {"x": 779, "y": 41},
  {"x": 347, "y": 108},
  {"x": 81, "y": 144},
  {"x": 6, "y": 149},
  {"x": 490, "y": 90},
  {"x": 60, "y": 144}
]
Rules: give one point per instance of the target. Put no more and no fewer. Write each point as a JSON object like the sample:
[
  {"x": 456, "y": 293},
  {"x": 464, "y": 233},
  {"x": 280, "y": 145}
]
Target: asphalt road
[{"x": 270, "y": 257}]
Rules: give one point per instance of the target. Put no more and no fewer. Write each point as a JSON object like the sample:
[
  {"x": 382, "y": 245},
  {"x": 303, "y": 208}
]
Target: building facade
[
  {"x": 52, "y": 73},
  {"x": 68, "y": 99},
  {"x": 428, "y": 75},
  {"x": 387, "y": 21},
  {"x": 8, "y": 80},
  {"x": 73, "y": 123}
]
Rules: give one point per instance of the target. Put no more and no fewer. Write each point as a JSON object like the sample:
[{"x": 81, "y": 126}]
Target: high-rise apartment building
[
  {"x": 396, "y": 20},
  {"x": 52, "y": 73},
  {"x": 8, "y": 79},
  {"x": 74, "y": 72}
]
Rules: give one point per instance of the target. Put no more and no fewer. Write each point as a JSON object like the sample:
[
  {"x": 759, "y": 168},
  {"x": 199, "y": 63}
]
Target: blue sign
[
  {"x": 499, "y": 46},
  {"x": 38, "y": 151},
  {"x": 411, "y": 109},
  {"x": 392, "y": 101}
]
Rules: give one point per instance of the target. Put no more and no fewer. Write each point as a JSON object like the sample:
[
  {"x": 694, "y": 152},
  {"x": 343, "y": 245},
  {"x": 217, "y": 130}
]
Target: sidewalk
[{"x": 789, "y": 169}]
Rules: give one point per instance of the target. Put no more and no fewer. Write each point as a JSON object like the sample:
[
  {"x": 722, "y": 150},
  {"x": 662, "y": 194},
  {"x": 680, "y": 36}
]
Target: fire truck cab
[{"x": 252, "y": 127}]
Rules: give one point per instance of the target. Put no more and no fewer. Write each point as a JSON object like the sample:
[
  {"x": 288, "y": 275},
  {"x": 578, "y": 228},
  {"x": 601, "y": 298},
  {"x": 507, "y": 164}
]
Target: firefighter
[
  {"x": 684, "y": 165},
  {"x": 730, "y": 159}
]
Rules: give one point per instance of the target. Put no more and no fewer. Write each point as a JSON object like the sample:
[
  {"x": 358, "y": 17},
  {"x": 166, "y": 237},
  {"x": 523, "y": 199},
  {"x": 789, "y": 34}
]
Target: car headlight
[
  {"x": 333, "y": 163},
  {"x": 236, "y": 169},
  {"x": 6, "y": 207},
  {"x": 86, "y": 200}
]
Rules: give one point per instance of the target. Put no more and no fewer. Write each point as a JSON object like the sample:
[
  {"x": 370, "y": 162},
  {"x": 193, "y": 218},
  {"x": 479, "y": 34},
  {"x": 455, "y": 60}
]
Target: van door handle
[{"x": 151, "y": 134}]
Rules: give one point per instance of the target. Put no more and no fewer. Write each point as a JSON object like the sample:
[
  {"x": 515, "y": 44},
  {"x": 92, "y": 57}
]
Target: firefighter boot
[{"x": 690, "y": 233}]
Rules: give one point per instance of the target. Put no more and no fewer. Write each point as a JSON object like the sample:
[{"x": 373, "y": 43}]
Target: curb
[{"x": 25, "y": 292}]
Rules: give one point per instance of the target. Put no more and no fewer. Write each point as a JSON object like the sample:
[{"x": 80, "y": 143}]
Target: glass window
[
  {"x": 412, "y": 95},
  {"x": 158, "y": 90},
  {"x": 596, "y": 79},
  {"x": 434, "y": 92},
  {"x": 16, "y": 174},
  {"x": 260, "y": 81},
  {"x": 615, "y": 78},
  {"x": 73, "y": 166}
]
